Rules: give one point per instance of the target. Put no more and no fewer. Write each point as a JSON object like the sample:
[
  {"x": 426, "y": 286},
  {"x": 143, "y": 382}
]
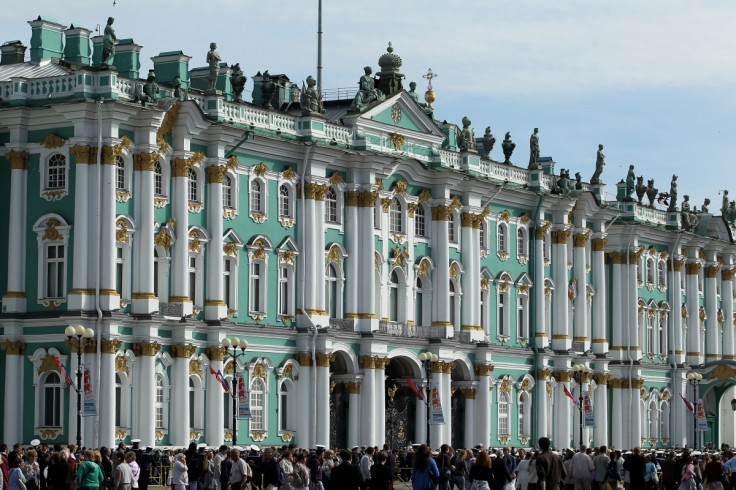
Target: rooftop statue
[
  {"x": 578, "y": 181},
  {"x": 651, "y": 192},
  {"x": 267, "y": 89},
  {"x": 412, "y": 92},
  {"x": 508, "y": 148},
  {"x": 237, "y": 80},
  {"x": 311, "y": 99},
  {"x": 534, "y": 150},
  {"x": 213, "y": 59},
  {"x": 149, "y": 91},
  {"x": 600, "y": 162},
  {"x": 673, "y": 195},
  {"x": 179, "y": 93},
  {"x": 704, "y": 207},
  {"x": 630, "y": 178},
  {"x": 488, "y": 142},
  {"x": 731, "y": 216},
  {"x": 367, "y": 92},
  {"x": 728, "y": 211},
  {"x": 108, "y": 43},
  {"x": 724, "y": 204},
  {"x": 641, "y": 189},
  {"x": 688, "y": 218},
  {"x": 466, "y": 137},
  {"x": 564, "y": 185}
]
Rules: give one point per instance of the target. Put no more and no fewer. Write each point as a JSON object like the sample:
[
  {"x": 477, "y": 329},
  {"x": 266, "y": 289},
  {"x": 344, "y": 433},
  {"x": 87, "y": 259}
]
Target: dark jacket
[
  {"x": 501, "y": 473},
  {"x": 270, "y": 470},
  {"x": 60, "y": 475},
  {"x": 381, "y": 477},
  {"x": 347, "y": 476},
  {"x": 636, "y": 465},
  {"x": 550, "y": 469},
  {"x": 478, "y": 473}
]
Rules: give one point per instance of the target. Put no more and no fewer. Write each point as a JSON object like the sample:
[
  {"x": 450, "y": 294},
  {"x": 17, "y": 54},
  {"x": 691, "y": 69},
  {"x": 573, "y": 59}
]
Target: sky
[{"x": 652, "y": 81}]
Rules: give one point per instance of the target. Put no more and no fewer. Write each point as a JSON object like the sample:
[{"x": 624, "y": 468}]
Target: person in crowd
[
  {"x": 328, "y": 462},
  {"x": 60, "y": 471},
  {"x": 32, "y": 471},
  {"x": 635, "y": 465},
  {"x": 180, "y": 476},
  {"x": 510, "y": 460},
  {"x": 16, "y": 478},
  {"x": 123, "y": 473},
  {"x": 301, "y": 473},
  {"x": 501, "y": 474},
  {"x": 145, "y": 462},
  {"x": 688, "y": 475},
  {"x": 195, "y": 465},
  {"x": 423, "y": 467},
  {"x": 713, "y": 473},
  {"x": 346, "y": 475},
  {"x": 459, "y": 470},
  {"x": 314, "y": 464},
  {"x": 582, "y": 467},
  {"x": 135, "y": 470},
  {"x": 239, "y": 471},
  {"x": 89, "y": 473},
  {"x": 550, "y": 470},
  {"x": 209, "y": 482},
  {"x": 219, "y": 457},
  {"x": 651, "y": 479},
  {"x": 601, "y": 462},
  {"x": 381, "y": 476},
  {"x": 481, "y": 475},
  {"x": 269, "y": 469}
]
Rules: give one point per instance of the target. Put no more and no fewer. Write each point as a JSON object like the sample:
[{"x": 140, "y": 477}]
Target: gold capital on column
[
  {"x": 180, "y": 167},
  {"x": 541, "y": 230},
  {"x": 543, "y": 374},
  {"x": 467, "y": 393},
  {"x": 712, "y": 271},
  {"x": 216, "y": 353},
  {"x": 382, "y": 362},
  {"x": 599, "y": 244},
  {"x": 18, "y": 160},
  {"x": 110, "y": 346},
  {"x": 562, "y": 376},
  {"x": 13, "y": 348},
  {"x": 303, "y": 358},
  {"x": 693, "y": 269},
  {"x": 145, "y": 162},
  {"x": 727, "y": 274},
  {"x": 448, "y": 367},
  {"x": 83, "y": 154},
  {"x": 324, "y": 360},
  {"x": 601, "y": 379},
  {"x": 367, "y": 362},
  {"x": 561, "y": 236},
  {"x": 146, "y": 348},
  {"x": 215, "y": 174},
  {"x": 352, "y": 387},
  {"x": 183, "y": 351},
  {"x": 483, "y": 369}
]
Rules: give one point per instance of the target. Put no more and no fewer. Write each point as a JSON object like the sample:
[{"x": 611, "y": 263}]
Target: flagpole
[{"x": 319, "y": 47}]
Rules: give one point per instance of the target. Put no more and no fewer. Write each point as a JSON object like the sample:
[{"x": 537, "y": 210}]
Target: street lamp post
[
  {"x": 231, "y": 347},
  {"x": 83, "y": 339},
  {"x": 428, "y": 359},
  {"x": 580, "y": 372},
  {"x": 694, "y": 379}
]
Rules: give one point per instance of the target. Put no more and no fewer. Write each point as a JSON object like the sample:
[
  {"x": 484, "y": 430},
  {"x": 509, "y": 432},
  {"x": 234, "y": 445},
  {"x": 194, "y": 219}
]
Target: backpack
[{"x": 297, "y": 477}]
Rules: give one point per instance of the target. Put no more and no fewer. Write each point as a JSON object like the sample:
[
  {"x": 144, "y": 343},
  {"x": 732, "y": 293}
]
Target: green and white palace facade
[{"x": 341, "y": 247}]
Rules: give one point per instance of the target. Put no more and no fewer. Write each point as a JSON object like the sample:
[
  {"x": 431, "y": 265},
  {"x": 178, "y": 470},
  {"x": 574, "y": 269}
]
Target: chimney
[
  {"x": 171, "y": 64},
  {"x": 12, "y": 52},
  {"x": 127, "y": 58},
  {"x": 77, "y": 48},
  {"x": 47, "y": 39}
]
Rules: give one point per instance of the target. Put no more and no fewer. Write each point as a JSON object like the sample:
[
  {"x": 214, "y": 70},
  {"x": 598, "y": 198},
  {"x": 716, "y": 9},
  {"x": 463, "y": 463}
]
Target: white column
[
  {"x": 380, "y": 407},
  {"x": 368, "y": 400},
  {"x": 215, "y": 422},
  {"x": 563, "y": 411},
  {"x": 146, "y": 387},
  {"x": 79, "y": 297},
  {"x": 712, "y": 328},
  {"x": 310, "y": 257},
  {"x": 470, "y": 434},
  {"x": 542, "y": 329},
  {"x": 635, "y": 411},
  {"x": 89, "y": 423},
  {"x": 106, "y": 398},
  {"x": 619, "y": 420},
  {"x": 354, "y": 421},
  {"x": 144, "y": 301},
  {"x": 420, "y": 414},
  {"x": 483, "y": 405},
  {"x": 13, "y": 418},
  {"x": 354, "y": 281},
  {"x": 180, "y": 260},
  {"x": 72, "y": 367},
  {"x": 727, "y": 308},
  {"x": 447, "y": 403},
  {"x": 580, "y": 322},
  {"x": 600, "y": 317},
  {"x": 677, "y": 346},
  {"x": 109, "y": 299},
  {"x": 680, "y": 415},
  {"x": 560, "y": 324},
  {"x": 215, "y": 307},
  {"x": 436, "y": 431},
  {"x": 318, "y": 279},
  {"x": 631, "y": 307},
  {"x": 367, "y": 320},
  {"x": 617, "y": 313},
  {"x": 441, "y": 276},
  {"x": 471, "y": 279},
  {"x": 179, "y": 429},
  {"x": 543, "y": 402},
  {"x": 694, "y": 352},
  {"x": 600, "y": 409},
  {"x": 304, "y": 388},
  {"x": 322, "y": 371}
]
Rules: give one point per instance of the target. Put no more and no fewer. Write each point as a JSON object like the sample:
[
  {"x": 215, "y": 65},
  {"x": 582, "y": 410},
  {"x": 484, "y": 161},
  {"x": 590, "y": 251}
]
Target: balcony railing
[{"x": 343, "y": 325}]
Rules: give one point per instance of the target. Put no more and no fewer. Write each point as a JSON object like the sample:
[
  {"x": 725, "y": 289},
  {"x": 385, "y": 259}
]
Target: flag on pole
[
  {"x": 687, "y": 403},
  {"x": 62, "y": 369},
  {"x": 570, "y": 395},
  {"x": 218, "y": 376},
  {"x": 89, "y": 401},
  {"x": 414, "y": 388}
]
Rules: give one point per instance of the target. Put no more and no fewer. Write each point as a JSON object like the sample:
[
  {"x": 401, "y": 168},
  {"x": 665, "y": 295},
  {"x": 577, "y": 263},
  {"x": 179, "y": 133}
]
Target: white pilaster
[
  {"x": 694, "y": 354},
  {"x": 483, "y": 406},
  {"x": 146, "y": 386},
  {"x": 215, "y": 307},
  {"x": 543, "y": 402},
  {"x": 542, "y": 331},
  {"x": 561, "y": 339},
  {"x": 441, "y": 277},
  {"x": 470, "y": 434},
  {"x": 447, "y": 404},
  {"x": 618, "y": 416},
  {"x": 380, "y": 407},
  {"x": 581, "y": 332},
  {"x": 109, "y": 299},
  {"x": 600, "y": 409},
  {"x": 304, "y": 388},
  {"x": 471, "y": 279},
  {"x": 179, "y": 431},
  {"x": 353, "y": 283},
  {"x": 436, "y": 431},
  {"x": 12, "y": 420},
  {"x": 617, "y": 312},
  {"x": 81, "y": 296},
  {"x": 677, "y": 342},
  {"x": 144, "y": 301},
  {"x": 367, "y": 319},
  {"x": 215, "y": 422},
  {"x": 368, "y": 400},
  {"x": 600, "y": 317},
  {"x": 180, "y": 260},
  {"x": 106, "y": 398},
  {"x": 322, "y": 430},
  {"x": 354, "y": 414},
  {"x": 712, "y": 328},
  {"x": 420, "y": 414}
]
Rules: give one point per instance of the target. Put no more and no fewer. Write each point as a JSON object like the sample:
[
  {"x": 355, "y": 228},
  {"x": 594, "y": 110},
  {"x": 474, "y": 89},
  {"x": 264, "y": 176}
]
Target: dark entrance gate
[{"x": 339, "y": 406}]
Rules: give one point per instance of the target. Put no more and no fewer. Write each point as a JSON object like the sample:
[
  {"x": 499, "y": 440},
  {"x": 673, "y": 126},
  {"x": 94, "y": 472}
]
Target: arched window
[
  {"x": 393, "y": 307},
  {"x": 452, "y": 231},
  {"x": 524, "y": 415},
  {"x": 664, "y": 422},
  {"x": 503, "y": 415},
  {"x": 284, "y": 202},
  {"x": 257, "y": 287},
  {"x": 120, "y": 177},
  {"x": 227, "y": 191},
  {"x": 662, "y": 273},
  {"x": 396, "y": 222},
  {"x": 158, "y": 179},
  {"x": 651, "y": 270},
  {"x": 52, "y": 399},
  {"x": 285, "y": 291},
  {"x": 192, "y": 403},
  {"x": 118, "y": 400},
  {"x": 286, "y": 405},
  {"x": 331, "y": 290},
  {"x": 653, "y": 420},
  {"x": 502, "y": 241},
  {"x": 420, "y": 229},
  {"x": 193, "y": 193},
  {"x": 256, "y": 198},
  {"x": 257, "y": 405},
  {"x": 331, "y": 206},
  {"x": 521, "y": 243},
  {"x": 159, "y": 403},
  {"x": 419, "y": 304},
  {"x": 56, "y": 173}
]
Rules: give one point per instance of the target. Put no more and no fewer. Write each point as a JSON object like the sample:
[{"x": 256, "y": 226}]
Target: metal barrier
[{"x": 158, "y": 476}]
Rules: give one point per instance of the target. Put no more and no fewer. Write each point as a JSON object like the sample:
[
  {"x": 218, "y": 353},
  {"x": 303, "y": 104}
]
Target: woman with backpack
[
  {"x": 424, "y": 469},
  {"x": 300, "y": 475}
]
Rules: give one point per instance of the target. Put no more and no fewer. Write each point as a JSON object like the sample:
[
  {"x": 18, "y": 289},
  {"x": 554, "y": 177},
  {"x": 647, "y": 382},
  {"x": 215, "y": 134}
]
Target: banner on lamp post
[
  {"x": 89, "y": 407},
  {"x": 437, "y": 416},
  {"x": 702, "y": 421},
  {"x": 589, "y": 420},
  {"x": 243, "y": 405}
]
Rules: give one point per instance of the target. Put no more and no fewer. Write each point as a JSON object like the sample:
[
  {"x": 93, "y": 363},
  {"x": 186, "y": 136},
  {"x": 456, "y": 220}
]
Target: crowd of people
[{"x": 40, "y": 467}]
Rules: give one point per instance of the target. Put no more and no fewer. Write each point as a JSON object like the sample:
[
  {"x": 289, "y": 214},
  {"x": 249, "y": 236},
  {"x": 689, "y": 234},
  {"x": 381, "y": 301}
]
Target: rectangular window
[
  {"x": 55, "y": 271},
  {"x": 502, "y": 315},
  {"x": 503, "y": 418},
  {"x": 192, "y": 279},
  {"x": 283, "y": 411},
  {"x": 521, "y": 317},
  {"x": 419, "y": 222},
  {"x": 226, "y": 278},
  {"x": 255, "y": 288},
  {"x": 52, "y": 417},
  {"x": 283, "y": 291}
]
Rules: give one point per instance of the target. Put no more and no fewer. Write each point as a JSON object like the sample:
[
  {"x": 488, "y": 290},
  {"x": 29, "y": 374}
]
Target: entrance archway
[
  {"x": 718, "y": 390},
  {"x": 401, "y": 403},
  {"x": 340, "y": 368}
]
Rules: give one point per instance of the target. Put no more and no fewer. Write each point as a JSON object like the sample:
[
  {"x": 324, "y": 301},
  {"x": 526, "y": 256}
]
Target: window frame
[
  {"x": 62, "y": 174},
  {"x": 256, "y": 409},
  {"x": 331, "y": 204},
  {"x": 396, "y": 219},
  {"x": 504, "y": 414},
  {"x": 421, "y": 211},
  {"x": 259, "y": 309},
  {"x": 52, "y": 231},
  {"x": 194, "y": 186}
]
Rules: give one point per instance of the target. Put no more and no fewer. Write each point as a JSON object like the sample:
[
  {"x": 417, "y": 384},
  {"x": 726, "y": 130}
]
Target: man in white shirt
[
  {"x": 582, "y": 468},
  {"x": 239, "y": 472},
  {"x": 217, "y": 462},
  {"x": 365, "y": 465}
]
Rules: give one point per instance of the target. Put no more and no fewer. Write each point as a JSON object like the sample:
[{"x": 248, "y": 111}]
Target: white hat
[
  {"x": 493, "y": 455},
  {"x": 200, "y": 446},
  {"x": 135, "y": 441},
  {"x": 255, "y": 448},
  {"x": 320, "y": 446},
  {"x": 35, "y": 442}
]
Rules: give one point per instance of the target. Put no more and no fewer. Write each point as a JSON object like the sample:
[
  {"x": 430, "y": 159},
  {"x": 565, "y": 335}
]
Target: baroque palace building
[{"x": 341, "y": 245}]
